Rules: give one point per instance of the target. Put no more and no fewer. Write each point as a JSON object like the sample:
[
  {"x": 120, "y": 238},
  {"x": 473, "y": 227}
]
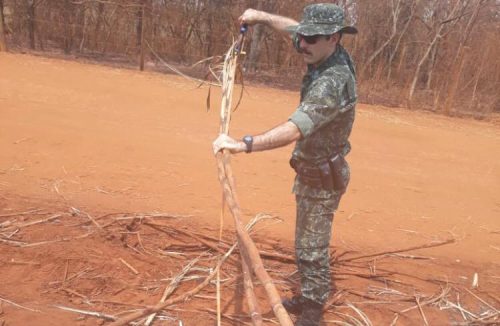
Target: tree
[
  {"x": 409, "y": 19},
  {"x": 418, "y": 45},
  {"x": 3, "y": 44},
  {"x": 459, "y": 59},
  {"x": 68, "y": 10},
  {"x": 437, "y": 35},
  {"x": 31, "y": 5},
  {"x": 395, "y": 14},
  {"x": 140, "y": 33},
  {"x": 254, "y": 52}
]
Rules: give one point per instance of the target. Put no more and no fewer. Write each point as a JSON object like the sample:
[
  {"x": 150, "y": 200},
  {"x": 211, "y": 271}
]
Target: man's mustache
[{"x": 301, "y": 50}]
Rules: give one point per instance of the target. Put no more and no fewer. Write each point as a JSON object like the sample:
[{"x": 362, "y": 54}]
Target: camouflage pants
[{"x": 312, "y": 239}]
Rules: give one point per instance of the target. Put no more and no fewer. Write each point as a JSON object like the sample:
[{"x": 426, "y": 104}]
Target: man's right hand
[
  {"x": 279, "y": 23},
  {"x": 252, "y": 17},
  {"x": 226, "y": 142}
]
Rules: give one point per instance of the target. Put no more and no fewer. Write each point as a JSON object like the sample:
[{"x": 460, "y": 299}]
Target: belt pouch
[
  {"x": 337, "y": 164},
  {"x": 326, "y": 175}
]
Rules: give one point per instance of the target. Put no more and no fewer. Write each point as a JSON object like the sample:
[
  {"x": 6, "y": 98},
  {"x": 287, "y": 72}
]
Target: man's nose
[{"x": 302, "y": 43}]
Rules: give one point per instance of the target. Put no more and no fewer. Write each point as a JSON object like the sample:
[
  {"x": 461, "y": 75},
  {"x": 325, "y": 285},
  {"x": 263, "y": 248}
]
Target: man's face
[{"x": 317, "y": 48}]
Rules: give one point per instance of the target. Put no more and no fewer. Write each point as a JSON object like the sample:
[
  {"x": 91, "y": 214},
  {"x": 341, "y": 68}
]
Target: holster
[
  {"x": 337, "y": 164},
  {"x": 326, "y": 174}
]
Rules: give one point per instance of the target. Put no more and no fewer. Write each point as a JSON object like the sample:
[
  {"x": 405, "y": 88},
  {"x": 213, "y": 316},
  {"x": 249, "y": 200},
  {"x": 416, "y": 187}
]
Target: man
[{"x": 320, "y": 126}]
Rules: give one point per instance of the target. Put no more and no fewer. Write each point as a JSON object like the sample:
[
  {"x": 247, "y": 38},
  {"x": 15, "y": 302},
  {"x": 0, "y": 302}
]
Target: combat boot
[
  {"x": 311, "y": 313},
  {"x": 294, "y": 304}
]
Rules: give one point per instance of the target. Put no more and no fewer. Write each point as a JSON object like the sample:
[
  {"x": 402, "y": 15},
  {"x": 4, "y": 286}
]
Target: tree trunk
[
  {"x": 395, "y": 16},
  {"x": 209, "y": 38},
  {"x": 403, "y": 32},
  {"x": 3, "y": 44},
  {"x": 100, "y": 13},
  {"x": 420, "y": 64},
  {"x": 253, "y": 56},
  {"x": 437, "y": 36},
  {"x": 141, "y": 59},
  {"x": 431, "y": 66},
  {"x": 251, "y": 63},
  {"x": 455, "y": 79},
  {"x": 401, "y": 60},
  {"x": 110, "y": 29},
  {"x": 31, "y": 22},
  {"x": 459, "y": 60},
  {"x": 478, "y": 76},
  {"x": 139, "y": 15},
  {"x": 68, "y": 33},
  {"x": 84, "y": 28}
]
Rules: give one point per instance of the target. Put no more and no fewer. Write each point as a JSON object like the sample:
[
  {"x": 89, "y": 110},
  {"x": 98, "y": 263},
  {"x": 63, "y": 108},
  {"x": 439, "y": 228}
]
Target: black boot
[
  {"x": 311, "y": 313},
  {"x": 294, "y": 304}
]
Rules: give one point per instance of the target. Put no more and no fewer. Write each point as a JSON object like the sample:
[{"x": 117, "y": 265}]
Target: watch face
[{"x": 248, "y": 140}]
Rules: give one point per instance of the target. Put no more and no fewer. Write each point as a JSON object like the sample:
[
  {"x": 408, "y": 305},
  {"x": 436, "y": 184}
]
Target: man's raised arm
[{"x": 279, "y": 23}]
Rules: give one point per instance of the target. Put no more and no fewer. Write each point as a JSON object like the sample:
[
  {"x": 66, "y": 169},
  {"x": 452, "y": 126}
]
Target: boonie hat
[{"x": 322, "y": 19}]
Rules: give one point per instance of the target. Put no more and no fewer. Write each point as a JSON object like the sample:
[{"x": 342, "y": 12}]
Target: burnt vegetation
[{"x": 420, "y": 54}]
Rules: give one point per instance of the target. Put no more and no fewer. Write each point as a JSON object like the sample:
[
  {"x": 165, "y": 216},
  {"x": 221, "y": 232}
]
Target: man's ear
[{"x": 335, "y": 38}]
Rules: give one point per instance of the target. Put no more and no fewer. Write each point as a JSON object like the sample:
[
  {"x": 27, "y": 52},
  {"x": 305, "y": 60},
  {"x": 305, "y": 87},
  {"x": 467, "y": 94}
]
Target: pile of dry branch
[{"x": 115, "y": 267}]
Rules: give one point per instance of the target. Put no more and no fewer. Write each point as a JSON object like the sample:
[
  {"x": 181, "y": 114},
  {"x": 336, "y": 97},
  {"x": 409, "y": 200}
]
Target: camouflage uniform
[{"x": 325, "y": 117}]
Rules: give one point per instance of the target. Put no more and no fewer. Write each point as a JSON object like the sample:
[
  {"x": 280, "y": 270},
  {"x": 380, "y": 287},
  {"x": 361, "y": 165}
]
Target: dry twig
[
  {"x": 160, "y": 306},
  {"x": 22, "y": 213},
  {"x": 417, "y": 300},
  {"x": 172, "y": 286},
  {"x": 425, "y": 246},
  {"x": 20, "y": 226},
  {"x": 88, "y": 313},
  {"x": 18, "y": 305},
  {"x": 129, "y": 266}
]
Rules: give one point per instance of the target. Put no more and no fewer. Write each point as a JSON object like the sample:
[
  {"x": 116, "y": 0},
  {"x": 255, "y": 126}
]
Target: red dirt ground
[{"x": 108, "y": 140}]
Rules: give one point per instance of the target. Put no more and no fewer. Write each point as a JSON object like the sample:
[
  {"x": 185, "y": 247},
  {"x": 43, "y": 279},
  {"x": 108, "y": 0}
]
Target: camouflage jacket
[{"x": 325, "y": 115}]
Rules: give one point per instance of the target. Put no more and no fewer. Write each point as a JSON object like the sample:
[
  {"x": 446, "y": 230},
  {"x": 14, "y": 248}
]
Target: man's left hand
[{"x": 226, "y": 142}]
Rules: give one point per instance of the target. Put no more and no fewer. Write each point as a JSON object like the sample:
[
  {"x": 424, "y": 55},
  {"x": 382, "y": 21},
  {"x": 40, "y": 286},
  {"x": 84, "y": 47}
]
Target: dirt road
[{"x": 105, "y": 140}]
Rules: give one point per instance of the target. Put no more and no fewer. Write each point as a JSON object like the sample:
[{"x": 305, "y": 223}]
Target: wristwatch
[{"x": 248, "y": 140}]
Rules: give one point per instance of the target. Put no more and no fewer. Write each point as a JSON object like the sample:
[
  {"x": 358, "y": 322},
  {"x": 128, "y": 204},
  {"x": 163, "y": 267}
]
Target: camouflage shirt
[{"x": 325, "y": 115}]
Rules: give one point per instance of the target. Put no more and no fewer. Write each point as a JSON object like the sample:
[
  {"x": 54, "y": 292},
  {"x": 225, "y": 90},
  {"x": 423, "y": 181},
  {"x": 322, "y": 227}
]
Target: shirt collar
[{"x": 336, "y": 57}]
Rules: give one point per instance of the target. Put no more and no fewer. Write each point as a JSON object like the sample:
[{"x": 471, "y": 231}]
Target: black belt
[
  {"x": 312, "y": 182},
  {"x": 308, "y": 175},
  {"x": 326, "y": 175}
]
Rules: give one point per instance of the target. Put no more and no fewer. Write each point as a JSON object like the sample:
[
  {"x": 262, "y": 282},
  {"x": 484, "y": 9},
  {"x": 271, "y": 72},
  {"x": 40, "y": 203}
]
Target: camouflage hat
[{"x": 322, "y": 19}]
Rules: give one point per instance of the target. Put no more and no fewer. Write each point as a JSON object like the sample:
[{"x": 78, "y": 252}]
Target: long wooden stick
[
  {"x": 247, "y": 247},
  {"x": 253, "y": 304},
  {"x": 229, "y": 73},
  {"x": 218, "y": 296}
]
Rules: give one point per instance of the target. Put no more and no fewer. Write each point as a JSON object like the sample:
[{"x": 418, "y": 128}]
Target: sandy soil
[{"x": 106, "y": 140}]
